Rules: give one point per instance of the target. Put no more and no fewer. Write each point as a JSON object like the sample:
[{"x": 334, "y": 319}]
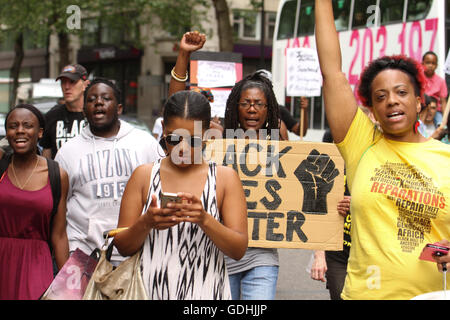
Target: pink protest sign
[{"x": 71, "y": 281}]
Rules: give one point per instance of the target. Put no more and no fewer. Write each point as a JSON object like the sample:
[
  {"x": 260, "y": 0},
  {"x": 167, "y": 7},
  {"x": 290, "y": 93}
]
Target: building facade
[{"x": 143, "y": 74}]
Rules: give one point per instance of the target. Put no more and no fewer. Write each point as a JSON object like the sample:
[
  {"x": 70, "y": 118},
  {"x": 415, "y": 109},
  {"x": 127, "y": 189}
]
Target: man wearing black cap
[{"x": 65, "y": 121}]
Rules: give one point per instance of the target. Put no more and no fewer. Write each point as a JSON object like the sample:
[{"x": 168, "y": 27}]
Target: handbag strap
[
  {"x": 55, "y": 185},
  {"x": 4, "y": 163},
  {"x": 110, "y": 234}
]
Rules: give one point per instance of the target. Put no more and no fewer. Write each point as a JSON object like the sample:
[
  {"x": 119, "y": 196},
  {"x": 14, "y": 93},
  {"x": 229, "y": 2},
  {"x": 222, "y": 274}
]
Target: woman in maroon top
[{"x": 26, "y": 202}]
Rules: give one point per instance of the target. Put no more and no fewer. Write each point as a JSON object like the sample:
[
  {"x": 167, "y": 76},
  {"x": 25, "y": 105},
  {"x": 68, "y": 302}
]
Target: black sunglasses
[{"x": 173, "y": 139}]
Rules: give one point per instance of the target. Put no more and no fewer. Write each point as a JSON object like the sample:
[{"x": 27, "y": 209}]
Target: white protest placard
[
  {"x": 447, "y": 63},
  {"x": 213, "y": 74},
  {"x": 303, "y": 75},
  {"x": 220, "y": 102}
]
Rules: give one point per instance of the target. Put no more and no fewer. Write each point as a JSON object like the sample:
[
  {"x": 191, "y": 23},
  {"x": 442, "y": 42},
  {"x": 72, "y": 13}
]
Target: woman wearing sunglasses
[
  {"x": 184, "y": 243},
  {"x": 251, "y": 111}
]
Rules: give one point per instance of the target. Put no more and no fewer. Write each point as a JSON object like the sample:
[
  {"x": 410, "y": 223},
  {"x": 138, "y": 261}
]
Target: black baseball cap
[{"x": 73, "y": 72}]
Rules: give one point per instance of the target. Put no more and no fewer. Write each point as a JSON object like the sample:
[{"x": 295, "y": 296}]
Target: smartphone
[
  {"x": 431, "y": 250},
  {"x": 167, "y": 197}
]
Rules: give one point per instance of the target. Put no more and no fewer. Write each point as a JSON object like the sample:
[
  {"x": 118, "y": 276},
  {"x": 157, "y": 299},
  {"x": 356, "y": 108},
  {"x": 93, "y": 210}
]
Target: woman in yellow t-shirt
[{"x": 399, "y": 180}]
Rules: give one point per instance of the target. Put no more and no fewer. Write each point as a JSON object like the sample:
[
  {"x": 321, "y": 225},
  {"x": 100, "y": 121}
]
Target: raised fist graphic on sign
[{"x": 316, "y": 174}]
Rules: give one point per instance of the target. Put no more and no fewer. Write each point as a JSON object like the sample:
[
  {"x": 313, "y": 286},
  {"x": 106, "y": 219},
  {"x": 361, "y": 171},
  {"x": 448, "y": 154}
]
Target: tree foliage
[{"x": 44, "y": 17}]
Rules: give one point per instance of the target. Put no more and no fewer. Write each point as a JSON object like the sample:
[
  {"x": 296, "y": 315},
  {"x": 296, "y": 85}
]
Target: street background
[{"x": 294, "y": 282}]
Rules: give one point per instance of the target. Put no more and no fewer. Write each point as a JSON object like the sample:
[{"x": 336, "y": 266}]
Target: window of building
[
  {"x": 363, "y": 13},
  {"x": 34, "y": 40},
  {"x": 341, "y": 10},
  {"x": 30, "y": 41},
  {"x": 391, "y": 11},
  {"x": 7, "y": 41},
  {"x": 306, "y": 23},
  {"x": 271, "y": 18},
  {"x": 101, "y": 31},
  {"x": 89, "y": 36},
  {"x": 418, "y": 9},
  {"x": 317, "y": 119},
  {"x": 286, "y": 26},
  {"x": 247, "y": 24},
  {"x": 447, "y": 26}
]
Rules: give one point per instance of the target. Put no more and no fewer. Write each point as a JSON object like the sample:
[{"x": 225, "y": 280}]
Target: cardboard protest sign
[
  {"x": 292, "y": 190},
  {"x": 303, "y": 75}
]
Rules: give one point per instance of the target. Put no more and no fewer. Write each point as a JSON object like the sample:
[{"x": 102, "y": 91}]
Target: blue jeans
[{"x": 259, "y": 283}]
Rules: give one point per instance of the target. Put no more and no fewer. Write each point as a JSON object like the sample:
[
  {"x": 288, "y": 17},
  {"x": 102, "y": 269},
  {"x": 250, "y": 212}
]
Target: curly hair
[
  {"x": 255, "y": 80},
  {"x": 397, "y": 62}
]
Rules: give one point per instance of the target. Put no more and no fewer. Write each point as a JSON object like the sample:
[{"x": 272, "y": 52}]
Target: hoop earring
[{"x": 416, "y": 124}]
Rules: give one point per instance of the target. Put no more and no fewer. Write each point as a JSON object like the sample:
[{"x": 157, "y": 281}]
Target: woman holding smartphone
[
  {"x": 251, "y": 109},
  {"x": 184, "y": 244},
  {"x": 400, "y": 192}
]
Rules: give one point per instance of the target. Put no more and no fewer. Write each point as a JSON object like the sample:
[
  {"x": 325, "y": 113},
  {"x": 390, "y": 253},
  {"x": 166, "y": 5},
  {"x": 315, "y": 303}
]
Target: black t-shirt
[
  {"x": 342, "y": 256},
  {"x": 287, "y": 118},
  {"x": 60, "y": 126}
]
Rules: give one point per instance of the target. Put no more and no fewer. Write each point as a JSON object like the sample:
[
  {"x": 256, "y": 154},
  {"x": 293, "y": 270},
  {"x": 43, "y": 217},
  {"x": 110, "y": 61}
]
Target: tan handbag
[{"x": 121, "y": 283}]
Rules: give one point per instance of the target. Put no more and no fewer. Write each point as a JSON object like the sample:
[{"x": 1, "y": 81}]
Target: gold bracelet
[{"x": 177, "y": 77}]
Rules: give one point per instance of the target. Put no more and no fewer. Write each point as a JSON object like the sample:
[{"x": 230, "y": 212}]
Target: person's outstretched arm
[
  {"x": 340, "y": 103},
  {"x": 191, "y": 41}
]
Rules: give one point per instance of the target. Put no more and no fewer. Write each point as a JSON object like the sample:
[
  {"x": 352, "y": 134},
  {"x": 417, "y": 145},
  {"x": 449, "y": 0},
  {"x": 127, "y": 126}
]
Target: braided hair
[
  {"x": 190, "y": 105},
  {"x": 186, "y": 104},
  {"x": 256, "y": 80}
]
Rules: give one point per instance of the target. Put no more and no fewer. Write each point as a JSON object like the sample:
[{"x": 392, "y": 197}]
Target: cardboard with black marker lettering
[{"x": 292, "y": 204}]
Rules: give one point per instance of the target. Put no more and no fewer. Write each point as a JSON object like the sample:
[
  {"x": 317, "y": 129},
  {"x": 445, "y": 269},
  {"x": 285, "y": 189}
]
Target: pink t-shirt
[{"x": 436, "y": 87}]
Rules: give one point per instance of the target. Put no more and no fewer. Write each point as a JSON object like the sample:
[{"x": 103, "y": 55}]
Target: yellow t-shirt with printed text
[{"x": 400, "y": 202}]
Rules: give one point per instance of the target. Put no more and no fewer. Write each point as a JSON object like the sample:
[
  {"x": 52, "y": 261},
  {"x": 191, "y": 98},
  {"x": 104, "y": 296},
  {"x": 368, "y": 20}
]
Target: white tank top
[{"x": 181, "y": 262}]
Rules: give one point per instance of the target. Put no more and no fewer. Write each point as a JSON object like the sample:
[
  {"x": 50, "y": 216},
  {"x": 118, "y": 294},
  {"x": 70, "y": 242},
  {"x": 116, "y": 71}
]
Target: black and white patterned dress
[{"x": 181, "y": 262}]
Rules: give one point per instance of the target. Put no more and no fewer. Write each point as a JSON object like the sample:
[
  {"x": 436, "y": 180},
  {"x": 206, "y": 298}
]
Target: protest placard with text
[
  {"x": 303, "y": 75},
  {"x": 292, "y": 190}
]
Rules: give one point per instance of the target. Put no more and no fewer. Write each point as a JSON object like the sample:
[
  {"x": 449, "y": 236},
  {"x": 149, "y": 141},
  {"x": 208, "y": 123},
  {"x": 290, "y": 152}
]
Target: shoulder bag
[{"x": 123, "y": 282}]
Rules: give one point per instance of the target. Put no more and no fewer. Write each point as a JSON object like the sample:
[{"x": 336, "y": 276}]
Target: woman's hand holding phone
[
  {"x": 160, "y": 218},
  {"x": 437, "y": 252},
  {"x": 442, "y": 260},
  {"x": 190, "y": 209}
]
